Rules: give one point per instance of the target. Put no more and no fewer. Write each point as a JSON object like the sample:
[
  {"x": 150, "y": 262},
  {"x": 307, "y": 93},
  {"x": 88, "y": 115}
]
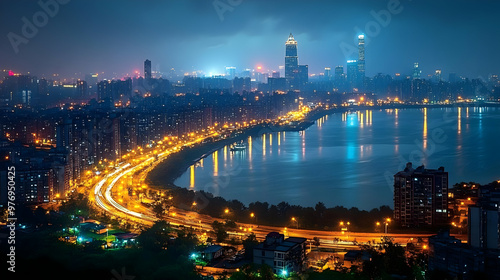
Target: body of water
[{"x": 349, "y": 159}]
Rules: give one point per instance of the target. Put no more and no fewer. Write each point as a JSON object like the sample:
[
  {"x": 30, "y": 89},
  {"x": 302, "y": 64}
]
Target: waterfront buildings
[{"x": 421, "y": 196}]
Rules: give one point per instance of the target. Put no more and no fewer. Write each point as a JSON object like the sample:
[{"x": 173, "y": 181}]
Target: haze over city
[{"x": 115, "y": 37}]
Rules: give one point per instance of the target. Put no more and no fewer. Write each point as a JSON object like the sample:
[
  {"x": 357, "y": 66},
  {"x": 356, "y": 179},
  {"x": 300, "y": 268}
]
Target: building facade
[
  {"x": 291, "y": 62},
  {"x": 484, "y": 218},
  {"x": 421, "y": 196},
  {"x": 282, "y": 255},
  {"x": 361, "y": 61},
  {"x": 147, "y": 69}
]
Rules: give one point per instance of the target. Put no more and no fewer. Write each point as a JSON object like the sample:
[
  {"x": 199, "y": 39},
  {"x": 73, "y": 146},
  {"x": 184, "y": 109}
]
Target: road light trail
[{"x": 203, "y": 222}]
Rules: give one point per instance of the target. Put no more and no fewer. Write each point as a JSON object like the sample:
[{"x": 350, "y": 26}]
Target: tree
[
  {"x": 156, "y": 237},
  {"x": 249, "y": 243},
  {"x": 320, "y": 209},
  {"x": 220, "y": 231}
]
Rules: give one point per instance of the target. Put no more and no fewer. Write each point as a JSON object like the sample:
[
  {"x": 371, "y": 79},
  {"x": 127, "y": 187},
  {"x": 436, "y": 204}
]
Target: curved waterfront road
[{"x": 102, "y": 196}]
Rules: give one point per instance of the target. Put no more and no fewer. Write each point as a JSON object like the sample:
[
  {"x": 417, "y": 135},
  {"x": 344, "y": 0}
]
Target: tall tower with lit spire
[{"x": 291, "y": 62}]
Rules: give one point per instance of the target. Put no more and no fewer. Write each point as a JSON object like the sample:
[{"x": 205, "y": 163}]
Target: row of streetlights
[
  {"x": 343, "y": 225},
  {"x": 385, "y": 222}
]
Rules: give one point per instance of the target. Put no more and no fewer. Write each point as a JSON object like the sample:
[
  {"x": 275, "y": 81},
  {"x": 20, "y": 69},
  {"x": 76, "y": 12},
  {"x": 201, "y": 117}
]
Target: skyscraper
[
  {"x": 416, "y": 71},
  {"x": 230, "y": 72},
  {"x": 339, "y": 73},
  {"x": 352, "y": 73},
  {"x": 421, "y": 196},
  {"x": 147, "y": 69},
  {"x": 291, "y": 62},
  {"x": 303, "y": 75},
  {"x": 328, "y": 72},
  {"x": 361, "y": 60},
  {"x": 437, "y": 75}
]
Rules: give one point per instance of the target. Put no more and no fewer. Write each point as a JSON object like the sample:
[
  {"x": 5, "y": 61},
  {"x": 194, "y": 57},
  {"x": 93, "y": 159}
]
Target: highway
[
  {"x": 102, "y": 195},
  {"x": 138, "y": 165}
]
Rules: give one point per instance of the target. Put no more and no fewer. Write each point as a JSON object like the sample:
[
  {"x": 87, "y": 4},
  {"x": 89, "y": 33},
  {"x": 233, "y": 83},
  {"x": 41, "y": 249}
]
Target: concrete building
[
  {"x": 421, "y": 196},
  {"x": 484, "y": 218},
  {"x": 282, "y": 255},
  {"x": 448, "y": 254}
]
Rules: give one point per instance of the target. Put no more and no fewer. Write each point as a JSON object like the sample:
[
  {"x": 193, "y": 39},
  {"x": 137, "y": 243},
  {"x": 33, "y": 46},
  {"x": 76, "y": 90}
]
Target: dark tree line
[{"x": 318, "y": 217}]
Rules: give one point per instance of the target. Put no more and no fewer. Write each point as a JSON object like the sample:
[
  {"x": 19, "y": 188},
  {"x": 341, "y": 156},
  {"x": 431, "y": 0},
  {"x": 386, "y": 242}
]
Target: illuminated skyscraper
[
  {"x": 437, "y": 76},
  {"x": 328, "y": 72},
  {"x": 147, "y": 69},
  {"x": 416, "y": 71},
  {"x": 352, "y": 73},
  {"x": 291, "y": 62},
  {"x": 361, "y": 60},
  {"x": 339, "y": 73},
  {"x": 230, "y": 72}
]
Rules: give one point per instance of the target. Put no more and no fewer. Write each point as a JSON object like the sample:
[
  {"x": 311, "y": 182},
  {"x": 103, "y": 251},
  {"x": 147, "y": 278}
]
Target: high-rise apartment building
[
  {"x": 147, "y": 69},
  {"x": 361, "y": 61},
  {"x": 421, "y": 196},
  {"x": 352, "y": 73}
]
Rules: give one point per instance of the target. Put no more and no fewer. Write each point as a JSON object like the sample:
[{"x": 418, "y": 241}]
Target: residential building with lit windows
[
  {"x": 282, "y": 255},
  {"x": 421, "y": 196}
]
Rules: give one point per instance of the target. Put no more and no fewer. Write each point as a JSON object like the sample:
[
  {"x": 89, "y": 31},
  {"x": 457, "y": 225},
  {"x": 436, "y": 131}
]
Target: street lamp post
[
  {"x": 252, "y": 215},
  {"x": 344, "y": 227},
  {"x": 295, "y": 220},
  {"x": 387, "y": 221}
]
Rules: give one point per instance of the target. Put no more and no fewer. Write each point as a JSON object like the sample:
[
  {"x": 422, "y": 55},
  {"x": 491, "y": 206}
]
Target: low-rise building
[
  {"x": 212, "y": 252},
  {"x": 282, "y": 255}
]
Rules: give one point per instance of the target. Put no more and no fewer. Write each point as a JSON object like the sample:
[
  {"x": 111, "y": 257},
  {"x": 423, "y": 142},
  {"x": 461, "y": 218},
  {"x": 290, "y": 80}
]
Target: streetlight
[
  {"x": 387, "y": 221},
  {"x": 295, "y": 220},
  {"x": 343, "y": 227},
  {"x": 252, "y": 215}
]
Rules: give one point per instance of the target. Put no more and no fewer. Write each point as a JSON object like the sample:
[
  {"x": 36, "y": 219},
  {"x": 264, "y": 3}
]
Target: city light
[{"x": 100, "y": 157}]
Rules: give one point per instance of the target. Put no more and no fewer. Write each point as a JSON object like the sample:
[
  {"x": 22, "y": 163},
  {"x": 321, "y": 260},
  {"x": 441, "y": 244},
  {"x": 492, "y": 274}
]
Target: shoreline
[{"x": 165, "y": 174}]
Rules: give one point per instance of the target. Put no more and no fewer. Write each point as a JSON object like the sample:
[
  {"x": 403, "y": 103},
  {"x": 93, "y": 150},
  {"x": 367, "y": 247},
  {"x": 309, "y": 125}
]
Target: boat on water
[{"x": 238, "y": 147}]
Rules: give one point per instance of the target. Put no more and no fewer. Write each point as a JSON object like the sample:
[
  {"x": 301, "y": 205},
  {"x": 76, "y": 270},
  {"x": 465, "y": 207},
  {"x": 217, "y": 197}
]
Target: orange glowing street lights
[
  {"x": 387, "y": 221},
  {"x": 295, "y": 220},
  {"x": 252, "y": 215}
]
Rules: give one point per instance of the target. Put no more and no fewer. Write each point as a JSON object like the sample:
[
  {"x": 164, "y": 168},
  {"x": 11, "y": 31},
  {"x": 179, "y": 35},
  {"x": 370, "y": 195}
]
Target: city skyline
[{"x": 211, "y": 36}]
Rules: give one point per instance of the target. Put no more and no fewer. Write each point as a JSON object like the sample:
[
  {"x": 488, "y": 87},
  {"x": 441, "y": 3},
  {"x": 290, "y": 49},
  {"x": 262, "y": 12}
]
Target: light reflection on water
[{"x": 349, "y": 158}]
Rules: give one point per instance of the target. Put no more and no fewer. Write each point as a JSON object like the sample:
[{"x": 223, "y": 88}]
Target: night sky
[{"x": 115, "y": 37}]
